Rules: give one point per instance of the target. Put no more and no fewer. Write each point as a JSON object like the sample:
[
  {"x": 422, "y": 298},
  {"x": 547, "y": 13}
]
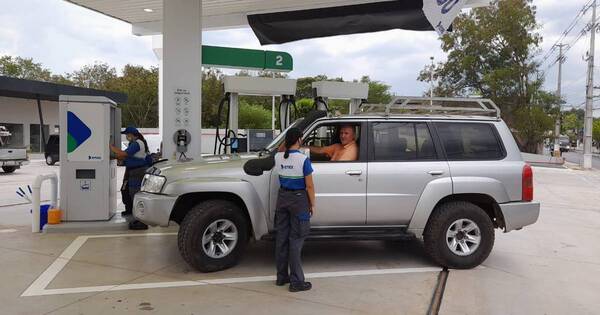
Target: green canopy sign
[{"x": 253, "y": 59}]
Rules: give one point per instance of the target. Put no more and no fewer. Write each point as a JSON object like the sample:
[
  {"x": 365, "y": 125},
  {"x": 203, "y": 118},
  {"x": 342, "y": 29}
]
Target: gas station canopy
[
  {"x": 181, "y": 23},
  {"x": 264, "y": 16}
]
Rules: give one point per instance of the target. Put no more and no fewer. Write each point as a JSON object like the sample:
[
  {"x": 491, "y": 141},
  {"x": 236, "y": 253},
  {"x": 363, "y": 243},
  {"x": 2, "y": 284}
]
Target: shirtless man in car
[{"x": 347, "y": 150}]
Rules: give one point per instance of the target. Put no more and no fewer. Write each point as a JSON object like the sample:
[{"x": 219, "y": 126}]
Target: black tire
[
  {"x": 191, "y": 230},
  {"x": 9, "y": 169},
  {"x": 50, "y": 160},
  {"x": 440, "y": 221}
]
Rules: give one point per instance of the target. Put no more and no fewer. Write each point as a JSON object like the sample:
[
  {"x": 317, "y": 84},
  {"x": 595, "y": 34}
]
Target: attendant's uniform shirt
[
  {"x": 339, "y": 152},
  {"x": 136, "y": 154},
  {"x": 293, "y": 169},
  {"x": 292, "y": 172}
]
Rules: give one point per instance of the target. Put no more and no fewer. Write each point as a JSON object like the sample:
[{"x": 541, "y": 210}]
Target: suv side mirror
[{"x": 256, "y": 167}]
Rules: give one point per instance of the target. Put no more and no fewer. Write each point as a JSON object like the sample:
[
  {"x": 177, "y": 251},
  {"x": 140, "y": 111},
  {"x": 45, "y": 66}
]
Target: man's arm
[{"x": 328, "y": 150}]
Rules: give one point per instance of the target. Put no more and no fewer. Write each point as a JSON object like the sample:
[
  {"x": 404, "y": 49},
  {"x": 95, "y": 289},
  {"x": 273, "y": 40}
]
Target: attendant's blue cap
[{"x": 131, "y": 130}]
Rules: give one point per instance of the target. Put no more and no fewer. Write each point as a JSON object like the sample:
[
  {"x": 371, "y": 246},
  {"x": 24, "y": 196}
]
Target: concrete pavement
[{"x": 552, "y": 267}]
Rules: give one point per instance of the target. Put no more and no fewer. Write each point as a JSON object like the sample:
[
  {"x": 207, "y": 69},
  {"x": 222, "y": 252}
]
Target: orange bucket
[{"x": 54, "y": 216}]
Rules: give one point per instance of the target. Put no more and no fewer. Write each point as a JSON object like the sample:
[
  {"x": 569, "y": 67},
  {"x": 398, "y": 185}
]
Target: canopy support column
[{"x": 181, "y": 76}]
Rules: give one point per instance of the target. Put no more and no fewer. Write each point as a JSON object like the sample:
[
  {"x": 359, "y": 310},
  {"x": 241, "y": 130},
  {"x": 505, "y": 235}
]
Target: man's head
[{"x": 347, "y": 134}]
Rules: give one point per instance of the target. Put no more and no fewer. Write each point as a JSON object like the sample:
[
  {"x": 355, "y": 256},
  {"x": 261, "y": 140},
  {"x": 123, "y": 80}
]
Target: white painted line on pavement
[{"x": 38, "y": 287}]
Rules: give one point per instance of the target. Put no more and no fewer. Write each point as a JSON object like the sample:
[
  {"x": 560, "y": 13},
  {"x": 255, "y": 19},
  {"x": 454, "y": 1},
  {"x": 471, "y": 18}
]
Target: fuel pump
[
  {"x": 287, "y": 104},
  {"x": 258, "y": 86}
]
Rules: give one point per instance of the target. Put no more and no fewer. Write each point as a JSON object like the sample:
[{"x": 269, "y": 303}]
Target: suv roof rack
[{"x": 436, "y": 106}]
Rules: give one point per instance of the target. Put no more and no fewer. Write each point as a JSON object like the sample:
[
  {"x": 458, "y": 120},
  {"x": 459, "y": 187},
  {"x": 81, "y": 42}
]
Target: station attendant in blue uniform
[
  {"x": 136, "y": 159},
  {"x": 295, "y": 206}
]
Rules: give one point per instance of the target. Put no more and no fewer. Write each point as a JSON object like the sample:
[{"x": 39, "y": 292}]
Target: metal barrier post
[{"x": 35, "y": 194}]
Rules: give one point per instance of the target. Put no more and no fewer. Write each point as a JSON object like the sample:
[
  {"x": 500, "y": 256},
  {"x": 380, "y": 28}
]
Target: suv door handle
[
  {"x": 435, "y": 173},
  {"x": 354, "y": 173}
]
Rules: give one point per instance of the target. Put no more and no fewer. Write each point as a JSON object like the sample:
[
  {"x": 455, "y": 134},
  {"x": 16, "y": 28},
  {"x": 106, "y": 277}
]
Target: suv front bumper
[
  {"x": 519, "y": 214},
  {"x": 153, "y": 209}
]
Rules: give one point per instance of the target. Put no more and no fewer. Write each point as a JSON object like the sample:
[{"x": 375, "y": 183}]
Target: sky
[{"x": 64, "y": 37}]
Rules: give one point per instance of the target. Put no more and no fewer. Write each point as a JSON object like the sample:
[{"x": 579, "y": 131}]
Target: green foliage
[
  {"x": 379, "y": 92},
  {"x": 491, "y": 54},
  {"x": 529, "y": 124},
  {"x": 571, "y": 124},
  {"x": 596, "y": 132},
  {"x": 141, "y": 86},
  {"x": 254, "y": 117},
  {"x": 212, "y": 93},
  {"x": 99, "y": 76},
  {"x": 23, "y": 68}
]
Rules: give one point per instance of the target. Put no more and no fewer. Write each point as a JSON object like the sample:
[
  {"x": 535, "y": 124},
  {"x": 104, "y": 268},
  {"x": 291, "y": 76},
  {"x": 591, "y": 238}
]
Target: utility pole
[
  {"x": 589, "y": 99},
  {"x": 561, "y": 59},
  {"x": 431, "y": 82}
]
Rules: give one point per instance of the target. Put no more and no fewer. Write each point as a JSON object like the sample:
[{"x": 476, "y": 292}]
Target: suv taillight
[{"x": 527, "y": 187}]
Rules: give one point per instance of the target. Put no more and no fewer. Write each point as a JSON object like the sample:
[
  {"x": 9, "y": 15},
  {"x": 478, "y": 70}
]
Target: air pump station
[{"x": 88, "y": 174}]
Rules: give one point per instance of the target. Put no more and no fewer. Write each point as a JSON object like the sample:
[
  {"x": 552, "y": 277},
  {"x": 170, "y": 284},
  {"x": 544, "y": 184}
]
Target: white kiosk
[{"x": 88, "y": 175}]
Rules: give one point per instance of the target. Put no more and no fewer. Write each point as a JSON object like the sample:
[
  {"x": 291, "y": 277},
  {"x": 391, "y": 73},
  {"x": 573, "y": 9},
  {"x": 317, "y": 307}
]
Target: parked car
[
  {"x": 564, "y": 144},
  {"x": 52, "y": 152},
  {"x": 11, "y": 157},
  {"x": 442, "y": 173}
]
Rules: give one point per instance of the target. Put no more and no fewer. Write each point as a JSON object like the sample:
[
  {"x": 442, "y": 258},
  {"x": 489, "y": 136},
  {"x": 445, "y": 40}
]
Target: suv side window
[
  {"x": 470, "y": 141},
  {"x": 401, "y": 141},
  {"x": 328, "y": 134}
]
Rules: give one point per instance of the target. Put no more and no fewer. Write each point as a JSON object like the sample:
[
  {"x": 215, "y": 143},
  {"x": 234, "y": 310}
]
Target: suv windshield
[{"x": 279, "y": 138}]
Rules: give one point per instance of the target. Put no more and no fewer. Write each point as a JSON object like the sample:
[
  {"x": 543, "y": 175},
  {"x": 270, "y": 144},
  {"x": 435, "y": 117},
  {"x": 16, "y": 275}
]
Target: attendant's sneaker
[
  {"x": 305, "y": 286},
  {"x": 282, "y": 282}
]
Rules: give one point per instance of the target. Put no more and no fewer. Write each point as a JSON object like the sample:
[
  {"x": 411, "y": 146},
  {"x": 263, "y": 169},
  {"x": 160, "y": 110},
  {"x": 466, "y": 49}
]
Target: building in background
[{"x": 29, "y": 109}]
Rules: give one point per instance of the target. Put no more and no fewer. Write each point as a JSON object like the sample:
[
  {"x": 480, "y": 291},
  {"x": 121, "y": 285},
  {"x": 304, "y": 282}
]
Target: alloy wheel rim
[
  {"x": 219, "y": 238},
  {"x": 463, "y": 237}
]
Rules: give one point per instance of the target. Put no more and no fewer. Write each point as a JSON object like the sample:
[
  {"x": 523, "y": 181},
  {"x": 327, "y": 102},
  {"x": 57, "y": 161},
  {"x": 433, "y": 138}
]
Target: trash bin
[{"x": 43, "y": 215}]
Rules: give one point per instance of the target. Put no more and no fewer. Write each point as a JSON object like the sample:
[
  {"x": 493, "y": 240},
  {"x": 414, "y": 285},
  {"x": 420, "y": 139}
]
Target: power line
[{"x": 566, "y": 32}]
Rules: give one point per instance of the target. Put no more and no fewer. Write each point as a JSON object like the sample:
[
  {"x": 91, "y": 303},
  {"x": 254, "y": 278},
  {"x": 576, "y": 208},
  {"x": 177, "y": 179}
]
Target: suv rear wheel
[
  {"x": 459, "y": 235},
  {"x": 213, "y": 235}
]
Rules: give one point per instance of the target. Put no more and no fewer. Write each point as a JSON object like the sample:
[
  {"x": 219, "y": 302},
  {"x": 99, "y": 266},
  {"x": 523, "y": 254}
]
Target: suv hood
[{"x": 210, "y": 166}]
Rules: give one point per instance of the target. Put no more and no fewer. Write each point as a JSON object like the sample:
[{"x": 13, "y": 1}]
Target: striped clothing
[{"x": 293, "y": 169}]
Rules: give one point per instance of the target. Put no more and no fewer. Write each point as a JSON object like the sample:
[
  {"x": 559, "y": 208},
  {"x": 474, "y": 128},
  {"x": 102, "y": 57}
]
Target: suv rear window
[{"x": 470, "y": 141}]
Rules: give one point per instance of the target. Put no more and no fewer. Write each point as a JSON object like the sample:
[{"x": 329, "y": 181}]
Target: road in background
[{"x": 577, "y": 157}]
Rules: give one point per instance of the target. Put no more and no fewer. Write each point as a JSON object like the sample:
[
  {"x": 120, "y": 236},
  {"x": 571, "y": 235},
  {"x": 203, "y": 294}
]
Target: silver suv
[{"x": 446, "y": 170}]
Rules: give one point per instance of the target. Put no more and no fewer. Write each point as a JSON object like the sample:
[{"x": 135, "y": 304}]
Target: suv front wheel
[
  {"x": 213, "y": 235},
  {"x": 459, "y": 235}
]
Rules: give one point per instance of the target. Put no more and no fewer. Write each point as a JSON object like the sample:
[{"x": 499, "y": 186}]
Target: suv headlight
[{"x": 153, "y": 183}]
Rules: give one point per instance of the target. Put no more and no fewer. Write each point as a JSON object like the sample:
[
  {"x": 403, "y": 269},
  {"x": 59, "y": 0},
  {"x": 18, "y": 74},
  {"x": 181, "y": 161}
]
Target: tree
[
  {"x": 596, "y": 132},
  {"x": 379, "y": 92},
  {"x": 99, "y": 76},
  {"x": 254, "y": 117},
  {"x": 530, "y": 124},
  {"x": 572, "y": 123},
  {"x": 491, "y": 54},
  {"x": 23, "y": 68},
  {"x": 212, "y": 93},
  {"x": 141, "y": 86}
]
